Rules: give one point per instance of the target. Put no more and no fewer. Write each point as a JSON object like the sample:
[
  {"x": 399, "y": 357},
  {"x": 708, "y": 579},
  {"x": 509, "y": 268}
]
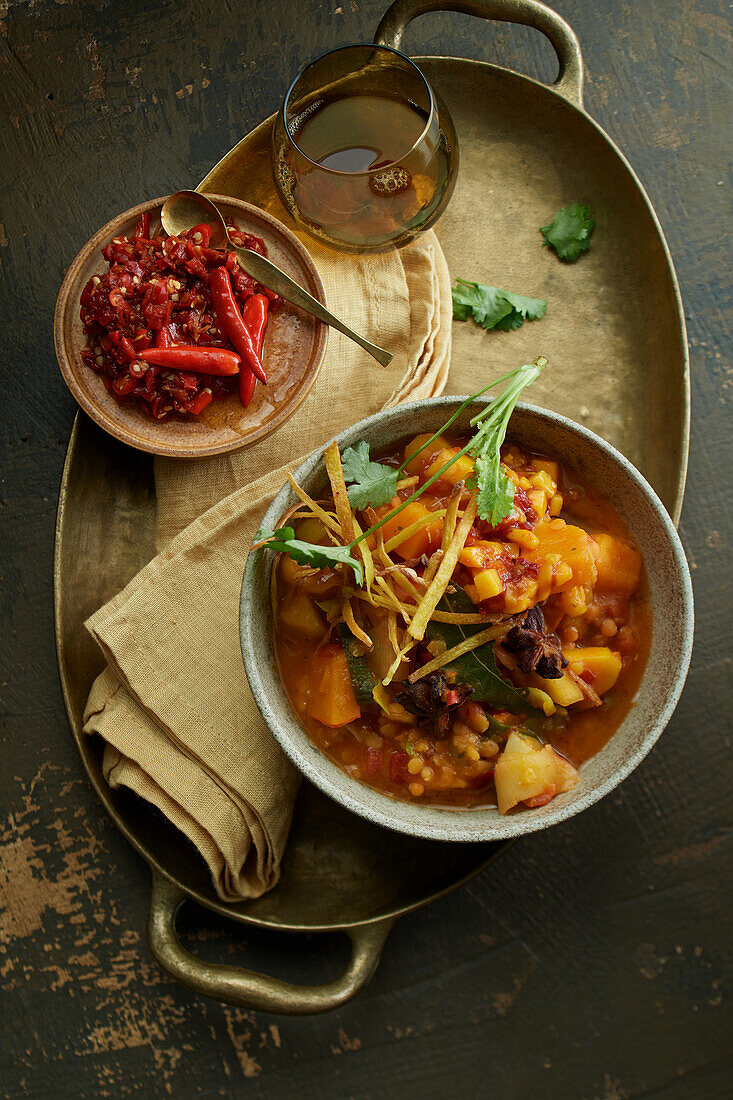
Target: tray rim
[{"x": 504, "y": 73}]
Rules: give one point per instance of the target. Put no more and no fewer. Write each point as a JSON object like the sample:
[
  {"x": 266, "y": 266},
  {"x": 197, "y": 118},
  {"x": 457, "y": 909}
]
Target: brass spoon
[{"x": 185, "y": 209}]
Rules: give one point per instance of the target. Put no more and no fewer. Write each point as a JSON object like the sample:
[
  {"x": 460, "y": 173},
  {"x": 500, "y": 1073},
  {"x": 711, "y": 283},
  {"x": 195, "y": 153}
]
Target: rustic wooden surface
[{"x": 591, "y": 961}]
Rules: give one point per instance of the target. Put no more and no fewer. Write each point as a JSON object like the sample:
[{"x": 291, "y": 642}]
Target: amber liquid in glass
[{"x": 382, "y": 174}]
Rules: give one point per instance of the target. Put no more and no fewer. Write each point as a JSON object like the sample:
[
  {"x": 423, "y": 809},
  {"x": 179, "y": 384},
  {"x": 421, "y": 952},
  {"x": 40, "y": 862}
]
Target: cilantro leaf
[
  {"x": 495, "y": 490},
  {"x": 494, "y": 308},
  {"x": 373, "y": 483},
  {"x": 310, "y": 553},
  {"x": 524, "y": 309},
  {"x": 570, "y": 231}
]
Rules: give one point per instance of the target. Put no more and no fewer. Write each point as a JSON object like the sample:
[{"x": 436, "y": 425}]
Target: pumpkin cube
[
  {"x": 618, "y": 565},
  {"x": 574, "y": 547},
  {"x": 602, "y": 662},
  {"x": 460, "y": 469},
  {"x": 482, "y": 555},
  {"x": 420, "y": 464},
  {"x": 332, "y": 700},
  {"x": 423, "y": 541}
]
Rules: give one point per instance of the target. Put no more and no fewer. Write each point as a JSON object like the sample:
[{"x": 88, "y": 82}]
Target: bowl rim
[
  {"x": 117, "y": 429},
  {"x": 437, "y": 823}
]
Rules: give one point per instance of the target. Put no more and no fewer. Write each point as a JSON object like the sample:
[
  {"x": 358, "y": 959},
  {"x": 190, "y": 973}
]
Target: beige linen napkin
[{"x": 173, "y": 704}]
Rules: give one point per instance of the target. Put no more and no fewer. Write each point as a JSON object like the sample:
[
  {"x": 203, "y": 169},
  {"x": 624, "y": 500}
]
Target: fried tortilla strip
[
  {"x": 476, "y": 640},
  {"x": 335, "y": 473},
  {"x": 442, "y": 578},
  {"x": 366, "y": 557},
  {"x": 348, "y": 613},
  {"x": 316, "y": 509}
]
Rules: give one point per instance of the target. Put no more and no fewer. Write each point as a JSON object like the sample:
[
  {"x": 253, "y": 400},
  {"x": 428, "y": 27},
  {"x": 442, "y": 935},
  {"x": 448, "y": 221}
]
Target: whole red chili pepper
[
  {"x": 200, "y": 360},
  {"x": 254, "y": 315},
  {"x": 231, "y": 323}
]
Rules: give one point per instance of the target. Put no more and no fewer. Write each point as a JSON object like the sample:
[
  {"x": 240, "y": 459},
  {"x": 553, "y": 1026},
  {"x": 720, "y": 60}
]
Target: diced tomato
[
  {"x": 542, "y": 799},
  {"x": 373, "y": 761},
  {"x": 452, "y": 698},
  {"x": 397, "y": 767}
]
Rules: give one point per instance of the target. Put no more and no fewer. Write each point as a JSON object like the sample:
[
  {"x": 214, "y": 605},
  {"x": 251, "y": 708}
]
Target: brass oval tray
[{"x": 614, "y": 333}]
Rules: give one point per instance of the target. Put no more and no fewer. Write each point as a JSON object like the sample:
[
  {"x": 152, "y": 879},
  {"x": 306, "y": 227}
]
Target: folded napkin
[{"x": 173, "y": 704}]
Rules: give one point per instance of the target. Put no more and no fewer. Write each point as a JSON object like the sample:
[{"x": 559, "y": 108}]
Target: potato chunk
[
  {"x": 300, "y": 616},
  {"x": 529, "y": 771}
]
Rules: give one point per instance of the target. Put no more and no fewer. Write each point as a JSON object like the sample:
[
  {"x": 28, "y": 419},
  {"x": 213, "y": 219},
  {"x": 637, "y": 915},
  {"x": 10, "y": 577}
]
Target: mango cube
[{"x": 488, "y": 584}]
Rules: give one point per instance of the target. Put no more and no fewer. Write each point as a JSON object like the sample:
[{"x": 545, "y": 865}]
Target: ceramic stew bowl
[
  {"x": 670, "y": 592},
  {"x": 295, "y": 343}
]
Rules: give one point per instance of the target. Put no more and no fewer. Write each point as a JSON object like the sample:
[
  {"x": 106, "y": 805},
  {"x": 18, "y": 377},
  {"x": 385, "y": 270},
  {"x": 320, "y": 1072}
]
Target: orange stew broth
[{"x": 601, "y": 613}]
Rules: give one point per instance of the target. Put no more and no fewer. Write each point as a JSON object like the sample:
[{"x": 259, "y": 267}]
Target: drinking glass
[{"x": 365, "y": 154}]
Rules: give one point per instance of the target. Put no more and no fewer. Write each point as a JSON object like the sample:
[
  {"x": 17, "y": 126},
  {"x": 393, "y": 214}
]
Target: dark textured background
[{"x": 591, "y": 961}]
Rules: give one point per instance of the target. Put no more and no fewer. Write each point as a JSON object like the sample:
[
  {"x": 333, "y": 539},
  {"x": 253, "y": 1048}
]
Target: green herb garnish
[
  {"x": 570, "y": 231},
  {"x": 493, "y": 308},
  {"x": 373, "y": 483},
  {"x": 495, "y": 490},
  {"x": 309, "y": 553}
]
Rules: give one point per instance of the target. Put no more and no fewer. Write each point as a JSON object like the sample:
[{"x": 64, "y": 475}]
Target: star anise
[
  {"x": 535, "y": 650},
  {"x": 428, "y": 698}
]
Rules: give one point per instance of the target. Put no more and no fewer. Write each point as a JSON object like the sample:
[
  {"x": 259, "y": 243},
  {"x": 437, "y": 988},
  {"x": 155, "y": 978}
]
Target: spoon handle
[{"x": 267, "y": 273}]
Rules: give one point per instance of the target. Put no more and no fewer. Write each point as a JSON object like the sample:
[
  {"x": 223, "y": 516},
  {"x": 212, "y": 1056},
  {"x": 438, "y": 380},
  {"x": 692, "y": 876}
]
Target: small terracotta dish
[
  {"x": 670, "y": 593},
  {"x": 294, "y": 347}
]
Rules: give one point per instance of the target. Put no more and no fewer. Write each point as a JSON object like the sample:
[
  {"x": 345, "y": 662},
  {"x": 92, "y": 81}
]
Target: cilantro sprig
[
  {"x": 493, "y": 308},
  {"x": 495, "y": 491},
  {"x": 569, "y": 232},
  {"x": 373, "y": 482}
]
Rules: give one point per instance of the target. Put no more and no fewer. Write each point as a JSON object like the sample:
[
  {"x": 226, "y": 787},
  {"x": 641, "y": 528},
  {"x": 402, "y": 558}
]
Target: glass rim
[{"x": 363, "y": 46}]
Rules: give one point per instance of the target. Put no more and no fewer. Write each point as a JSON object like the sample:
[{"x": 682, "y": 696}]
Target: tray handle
[
  {"x": 246, "y": 988},
  {"x": 532, "y": 13}
]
